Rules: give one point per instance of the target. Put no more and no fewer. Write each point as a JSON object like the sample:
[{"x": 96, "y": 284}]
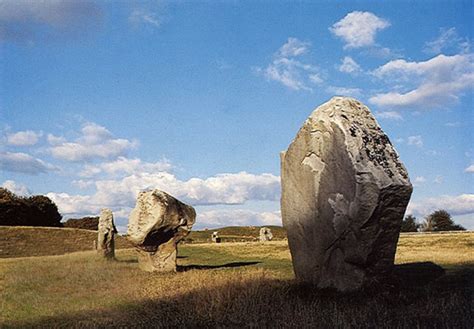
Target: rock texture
[
  {"x": 344, "y": 194},
  {"x": 265, "y": 234},
  {"x": 156, "y": 225},
  {"x": 106, "y": 234},
  {"x": 215, "y": 237}
]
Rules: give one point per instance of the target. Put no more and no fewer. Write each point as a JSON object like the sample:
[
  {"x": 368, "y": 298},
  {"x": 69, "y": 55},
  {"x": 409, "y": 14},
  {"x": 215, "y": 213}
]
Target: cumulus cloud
[
  {"x": 415, "y": 141},
  {"x": 23, "y": 138},
  {"x": 126, "y": 166},
  {"x": 287, "y": 69},
  {"x": 220, "y": 189},
  {"x": 33, "y": 20},
  {"x": 427, "y": 84},
  {"x": 349, "y": 65},
  {"x": 17, "y": 188},
  {"x": 448, "y": 39},
  {"x": 470, "y": 169},
  {"x": 96, "y": 142},
  {"x": 358, "y": 29},
  {"x": 23, "y": 163},
  {"x": 389, "y": 115},
  {"x": 236, "y": 217},
  {"x": 456, "y": 205}
]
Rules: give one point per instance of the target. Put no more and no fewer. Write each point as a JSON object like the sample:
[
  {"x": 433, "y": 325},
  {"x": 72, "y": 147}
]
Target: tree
[
  {"x": 440, "y": 220},
  {"x": 37, "y": 210},
  {"x": 409, "y": 224}
]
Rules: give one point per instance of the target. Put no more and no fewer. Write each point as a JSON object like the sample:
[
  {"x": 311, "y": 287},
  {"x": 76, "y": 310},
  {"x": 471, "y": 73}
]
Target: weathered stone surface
[
  {"x": 215, "y": 237},
  {"x": 344, "y": 194},
  {"x": 156, "y": 225},
  {"x": 106, "y": 234},
  {"x": 265, "y": 234}
]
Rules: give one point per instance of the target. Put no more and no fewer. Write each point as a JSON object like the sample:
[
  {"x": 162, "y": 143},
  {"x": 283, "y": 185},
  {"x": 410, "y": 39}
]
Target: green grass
[{"x": 247, "y": 284}]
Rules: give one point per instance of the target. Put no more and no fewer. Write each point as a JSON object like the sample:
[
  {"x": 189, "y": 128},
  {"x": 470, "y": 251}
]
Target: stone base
[{"x": 163, "y": 260}]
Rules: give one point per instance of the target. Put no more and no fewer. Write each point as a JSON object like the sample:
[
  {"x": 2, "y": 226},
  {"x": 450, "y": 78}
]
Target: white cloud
[
  {"x": 143, "y": 16},
  {"x": 389, "y": 115},
  {"x": 293, "y": 48},
  {"x": 358, "y": 29},
  {"x": 125, "y": 166},
  {"x": 470, "y": 169},
  {"x": 415, "y": 141},
  {"x": 429, "y": 84},
  {"x": 344, "y": 91},
  {"x": 23, "y": 163},
  {"x": 23, "y": 138},
  {"x": 96, "y": 142},
  {"x": 18, "y": 189},
  {"x": 289, "y": 71},
  {"x": 447, "y": 39},
  {"x": 349, "y": 65},
  {"x": 438, "y": 179},
  {"x": 419, "y": 180},
  {"x": 55, "y": 140},
  {"x": 455, "y": 205},
  {"x": 221, "y": 189},
  {"x": 237, "y": 217}
]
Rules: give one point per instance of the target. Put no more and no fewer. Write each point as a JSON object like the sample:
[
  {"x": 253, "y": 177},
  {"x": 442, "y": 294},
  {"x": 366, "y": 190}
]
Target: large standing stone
[
  {"x": 344, "y": 194},
  {"x": 265, "y": 234},
  {"x": 107, "y": 230},
  {"x": 156, "y": 225}
]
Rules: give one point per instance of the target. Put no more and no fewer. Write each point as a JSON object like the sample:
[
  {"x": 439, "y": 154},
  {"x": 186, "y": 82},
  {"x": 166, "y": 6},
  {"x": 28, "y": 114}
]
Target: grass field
[{"x": 245, "y": 284}]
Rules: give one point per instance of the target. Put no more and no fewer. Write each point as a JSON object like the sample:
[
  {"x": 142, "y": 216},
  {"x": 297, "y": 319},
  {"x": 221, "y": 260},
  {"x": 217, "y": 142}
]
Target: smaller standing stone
[
  {"x": 107, "y": 230},
  {"x": 265, "y": 234},
  {"x": 215, "y": 237}
]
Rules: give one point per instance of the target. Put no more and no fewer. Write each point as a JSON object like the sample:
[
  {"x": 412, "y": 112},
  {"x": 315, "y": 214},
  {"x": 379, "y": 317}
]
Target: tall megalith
[
  {"x": 344, "y": 194},
  {"x": 106, "y": 234},
  {"x": 156, "y": 225}
]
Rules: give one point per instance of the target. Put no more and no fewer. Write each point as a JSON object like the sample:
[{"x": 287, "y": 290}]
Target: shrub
[{"x": 36, "y": 210}]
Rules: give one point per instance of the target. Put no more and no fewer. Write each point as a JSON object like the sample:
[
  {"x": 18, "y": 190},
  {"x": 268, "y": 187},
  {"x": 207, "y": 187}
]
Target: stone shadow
[
  {"x": 274, "y": 303},
  {"x": 184, "y": 268}
]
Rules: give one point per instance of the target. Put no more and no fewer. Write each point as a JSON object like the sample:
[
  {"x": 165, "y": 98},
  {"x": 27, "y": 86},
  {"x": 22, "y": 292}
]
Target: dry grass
[
  {"x": 25, "y": 241},
  {"x": 234, "y": 285}
]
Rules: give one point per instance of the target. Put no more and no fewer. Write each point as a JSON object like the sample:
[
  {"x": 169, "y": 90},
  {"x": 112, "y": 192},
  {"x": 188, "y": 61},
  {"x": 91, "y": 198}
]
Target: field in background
[
  {"x": 245, "y": 284},
  {"x": 27, "y": 241}
]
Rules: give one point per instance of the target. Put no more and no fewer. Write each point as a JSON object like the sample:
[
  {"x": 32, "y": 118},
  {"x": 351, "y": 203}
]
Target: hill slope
[{"x": 26, "y": 241}]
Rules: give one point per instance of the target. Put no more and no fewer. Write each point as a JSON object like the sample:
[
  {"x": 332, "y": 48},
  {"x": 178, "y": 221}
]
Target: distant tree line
[
  {"x": 439, "y": 220},
  {"x": 37, "y": 210}
]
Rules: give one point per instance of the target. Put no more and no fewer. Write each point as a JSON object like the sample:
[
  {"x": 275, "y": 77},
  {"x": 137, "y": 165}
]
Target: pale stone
[
  {"x": 265, "y": 234},
  {"x": 156, "y": 225},
  {"x": 215, "y": 237},
  {"x": 106, "y": 234},
  {"x": 344, "y": 194}
]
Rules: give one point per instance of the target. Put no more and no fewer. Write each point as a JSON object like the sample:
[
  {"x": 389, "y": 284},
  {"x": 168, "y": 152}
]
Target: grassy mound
[{"x": 27, "y": 241}]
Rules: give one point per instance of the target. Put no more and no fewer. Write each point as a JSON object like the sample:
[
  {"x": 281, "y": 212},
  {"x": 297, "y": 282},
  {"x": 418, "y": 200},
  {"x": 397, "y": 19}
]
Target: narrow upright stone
[
  {"x": 344, "y": 194},
  {"x": 106, "y": 234},
  {"x": 265, "y": 234},
  {"x": 156, "y": 225}
]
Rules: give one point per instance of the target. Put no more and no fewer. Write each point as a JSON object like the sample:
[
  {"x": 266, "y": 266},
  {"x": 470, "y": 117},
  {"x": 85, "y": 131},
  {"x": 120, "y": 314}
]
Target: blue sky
[{"x": 100, "y": 100}]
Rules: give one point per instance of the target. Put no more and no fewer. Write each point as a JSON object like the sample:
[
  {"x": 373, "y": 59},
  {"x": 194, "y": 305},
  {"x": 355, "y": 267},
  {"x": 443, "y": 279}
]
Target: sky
[{"x": 100, "y": 100}]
